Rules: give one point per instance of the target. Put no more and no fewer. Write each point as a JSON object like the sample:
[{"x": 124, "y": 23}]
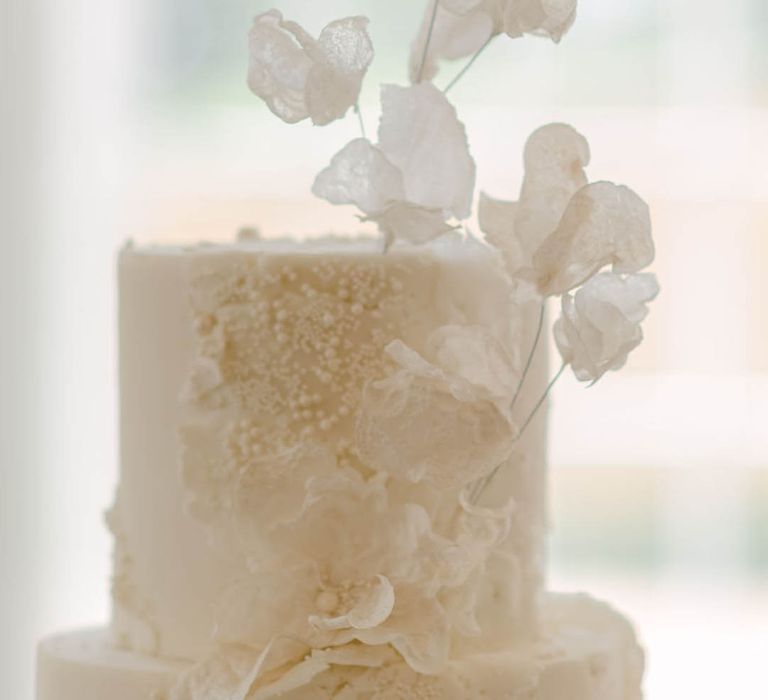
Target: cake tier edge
[{"x": 588, "y": 651}]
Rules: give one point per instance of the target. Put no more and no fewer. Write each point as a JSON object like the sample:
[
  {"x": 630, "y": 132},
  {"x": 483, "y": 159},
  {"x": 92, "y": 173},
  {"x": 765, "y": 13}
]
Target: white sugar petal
[
  {"x": 360, "y": 174},
  {"x": 478, "y": 357},
  {"x": 272, "y": 489},
  {"x": 278, "y": 68},
  {"x": 604, "y": 224},
  {"x": 373, "y": 606},
  {"x": 555, "y": 158},
  {"x": 334, "y": 83},
  {"x": 410, "y": 222},
  {"x": 454, "y": 35},
  {"x": 421, "y": 134},
  {"x": 300, "y": 77},
  {"x": 548, "y": 18},
  {"x": 347, "y": 46},
  {"x": 497, "y": 222},
  {"x": 600, "y": 324},
  {"x": 440, "y": 438}
]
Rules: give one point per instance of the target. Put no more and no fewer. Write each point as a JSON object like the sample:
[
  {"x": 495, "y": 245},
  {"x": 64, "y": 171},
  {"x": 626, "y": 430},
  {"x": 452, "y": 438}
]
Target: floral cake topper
[
  {"x": 399, "y": 582},
  {"x": 417, "y": 183}
]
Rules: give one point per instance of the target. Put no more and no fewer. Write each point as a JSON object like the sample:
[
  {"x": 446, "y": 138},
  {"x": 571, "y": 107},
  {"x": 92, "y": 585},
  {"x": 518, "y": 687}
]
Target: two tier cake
[{"x": 333, "y": 468}]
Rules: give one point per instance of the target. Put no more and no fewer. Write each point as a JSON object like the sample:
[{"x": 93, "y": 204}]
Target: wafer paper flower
[
  {"x": 300, "y": 77},
  {"x": 600, "y": 324},
  {"x": 271, "y": 491},
  {"x": 604, "y": 224},
  {"x": 555, "y": 157},
  {"x": 443, "y": 424},
  {"x": 462, "y": 27},
  {"x": 419, "y": 175},
  {"x": 563, "y": 230}
]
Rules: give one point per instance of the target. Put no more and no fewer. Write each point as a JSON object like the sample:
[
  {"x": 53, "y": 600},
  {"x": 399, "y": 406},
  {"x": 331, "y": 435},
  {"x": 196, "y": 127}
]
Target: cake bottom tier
[{"x": 587, "y": 651}]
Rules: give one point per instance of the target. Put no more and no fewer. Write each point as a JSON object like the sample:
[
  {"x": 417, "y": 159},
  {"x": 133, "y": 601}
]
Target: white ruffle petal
[
  {"x": 440, "y": 438},
  {"x": 421, "y": 134},
  {"x": 419, "y": 175},
  {"x": 604, "y": 224},
  {"x": 555, "y": 157},
  {"x": 600, "y": 324},
  {"x": 462, "y": 27},
  {"x": 300, "y": 77},
  {"x": 373, "y": 606},
  {"x": 360, "y": 174},
  {"x": 547, "y": 18}
]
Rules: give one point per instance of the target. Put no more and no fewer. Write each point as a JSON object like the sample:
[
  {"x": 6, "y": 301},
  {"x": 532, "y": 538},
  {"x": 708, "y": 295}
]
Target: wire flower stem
[
  {"x": 529, "y": 361},
  {"x": 360, "y": 119},
  {"x": 469, "y": 64},
  {"x": 483, "y": 483},
  {"x": 427, "y": 42}
]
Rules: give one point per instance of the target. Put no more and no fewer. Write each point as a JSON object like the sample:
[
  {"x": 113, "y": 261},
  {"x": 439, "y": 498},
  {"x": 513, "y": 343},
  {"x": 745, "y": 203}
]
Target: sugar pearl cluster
[{"x": 294, "y": 341}]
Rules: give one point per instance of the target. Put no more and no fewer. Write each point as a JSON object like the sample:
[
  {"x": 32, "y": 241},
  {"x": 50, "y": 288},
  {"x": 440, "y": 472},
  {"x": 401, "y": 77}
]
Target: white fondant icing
[
  {"x": 587, "y": 651},
  {"x": 243, "y": 372},
  {"x": 301, "y": 429}
]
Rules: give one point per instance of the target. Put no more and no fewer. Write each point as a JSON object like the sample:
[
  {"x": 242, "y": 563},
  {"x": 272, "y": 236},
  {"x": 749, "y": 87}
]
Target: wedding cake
[{"x": 333, "y": 468}]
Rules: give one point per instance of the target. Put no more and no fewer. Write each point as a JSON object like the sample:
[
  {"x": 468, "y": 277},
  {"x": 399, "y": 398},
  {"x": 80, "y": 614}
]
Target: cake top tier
[{"x": 332, "y": 404}]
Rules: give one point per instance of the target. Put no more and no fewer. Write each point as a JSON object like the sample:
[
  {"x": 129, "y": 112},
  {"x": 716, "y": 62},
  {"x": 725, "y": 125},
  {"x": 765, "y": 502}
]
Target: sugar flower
[
  {"x": 555, "y": 157},
  {"x": 451, "y": 427},
  {"x": 270, "y": 490},
  {"x": 563, "y": 230},
  {"x": 384, "y": 575},
  {"x": 300, "y": 77},
  {"x": 604, "y": 224},
  {"x": 419, "y": 175},
  {"x": 600, "y": 324},
  {"x": 462, "y": 27}
]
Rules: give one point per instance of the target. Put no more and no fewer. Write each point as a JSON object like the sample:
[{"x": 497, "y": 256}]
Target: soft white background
[{"x": 131, "y": 119}]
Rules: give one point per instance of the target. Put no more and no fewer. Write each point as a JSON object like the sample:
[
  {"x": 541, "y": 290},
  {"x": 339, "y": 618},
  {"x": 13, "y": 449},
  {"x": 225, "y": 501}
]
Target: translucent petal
[
  {"x": 497, "y": 222},
  {"x": 346, "y": 45},
  {"x": 555, "y": 157},
  {"x": 600, "y": 324},
  {"x": 334, "y": 83},
  {"x": 253, "y": 607},
  {"x": 604, "y": 224},
  {"x": 413, "y": 429},
  {"x": 360, "y": 174},
  {"x": 548, "y": 18},
  {"x": 300, "y": 77},
  {"x": 455, "y": 35},
  {"x": 373, "y": 606},
  {"x": 410, "y": 222},
  {"x": 278, "y": 68},
  {"x": 423, "y": 633},
  {"x": 272, "y": 490},
  {"x": 476, "y": 355},
  {"x": 420, "y": 133}
]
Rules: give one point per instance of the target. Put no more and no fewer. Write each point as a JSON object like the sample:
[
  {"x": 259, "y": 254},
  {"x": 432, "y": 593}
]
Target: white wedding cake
[
  {"x": 270, "y": 538},
  {"x": 333, "y": 453}
]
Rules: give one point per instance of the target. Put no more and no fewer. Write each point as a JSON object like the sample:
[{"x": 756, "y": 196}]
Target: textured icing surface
[
  {"x": 586, "y": 652},
  {"x": 298, "y": 429}
]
